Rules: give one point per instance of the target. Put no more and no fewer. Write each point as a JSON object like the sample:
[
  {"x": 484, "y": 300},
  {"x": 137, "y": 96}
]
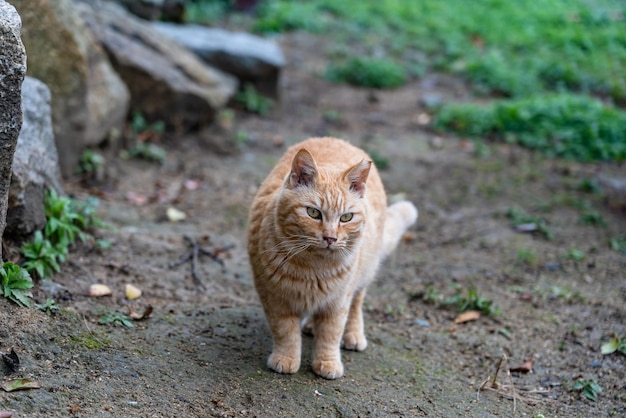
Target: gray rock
[
  {"x": 250, "y": 58},
  {"x": 88, "y": 98},
  {"x": 167, "y": 82},
  {"x": 35, "y": 164},
  {"x": 171, "y": 10},
  {"x": 12, "y": 72}
]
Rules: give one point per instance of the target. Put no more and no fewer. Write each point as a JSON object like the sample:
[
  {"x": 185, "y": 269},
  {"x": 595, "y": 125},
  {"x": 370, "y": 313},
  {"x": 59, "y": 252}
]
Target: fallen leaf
[
  {"x": 525, "y": 367},
  {"x": 137, "y": 316},
  {"x": 467, "y": 316},
  {"x": 11, "y": 360},
  {"x": 136, "y": 198},
  {"x": 74, "y": 408},
  {"x": 192, "y": 184},
  {"x": 98, "y": 290},
  {"x": 132, "y": 292},
  {"x": 175, "y": 215},
  {"x": 20, "y": 384},
  {"x": 611, "y": 346}
]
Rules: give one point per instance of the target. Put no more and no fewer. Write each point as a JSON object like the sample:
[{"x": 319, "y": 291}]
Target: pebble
[{"x": 422, "y": 322}]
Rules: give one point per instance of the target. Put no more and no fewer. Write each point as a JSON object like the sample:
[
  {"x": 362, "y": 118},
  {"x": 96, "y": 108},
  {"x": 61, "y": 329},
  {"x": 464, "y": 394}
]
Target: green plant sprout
[
  {"x": 66, "y": 220},
  {"x": 253, "y": 101},
  {"x": 588, "y": 387},
  {"x": 15, "y": 283},
  {"x": 520, "y": 217},
  {"x": 117, "y": 319},
  {"x": 49, "y": 307},
  {"x": 472, "y": 301},
  {"x": 42, "y": 257}
]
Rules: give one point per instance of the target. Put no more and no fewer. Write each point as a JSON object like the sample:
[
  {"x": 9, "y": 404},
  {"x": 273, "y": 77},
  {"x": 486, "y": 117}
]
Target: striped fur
[{"x": 319, "y": 227}]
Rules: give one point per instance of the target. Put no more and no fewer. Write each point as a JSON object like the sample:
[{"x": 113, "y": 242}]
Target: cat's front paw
[
  {"x": 354, "y": 341},
  {"x": 283, "y": 364},
  {"x": 328, "y": 369}
]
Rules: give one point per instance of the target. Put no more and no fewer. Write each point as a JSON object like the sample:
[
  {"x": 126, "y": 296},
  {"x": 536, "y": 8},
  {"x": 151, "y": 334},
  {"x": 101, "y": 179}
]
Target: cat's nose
[{"x": 330, "y": 240}]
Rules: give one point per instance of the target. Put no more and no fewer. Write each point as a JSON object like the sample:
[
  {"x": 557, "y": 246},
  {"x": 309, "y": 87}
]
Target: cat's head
[{"x": 322, "y": 208}]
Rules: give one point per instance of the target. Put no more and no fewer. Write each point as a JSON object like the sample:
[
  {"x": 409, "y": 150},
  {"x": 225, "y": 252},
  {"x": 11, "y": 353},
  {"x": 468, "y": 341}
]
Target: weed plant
[
  {"x": 545, "y": 58},
  {"x": 66, "y": 221},
  {"x": 513, "y": 48},
  {"x": 368, "y": 72},
  {"x": 471, "y": 301},
  {"x": 564, "y": 125},
  {"x": 588, "y": 387},
  {"x": 253, "y": 101},
  {"x": 15, "y": 283},
  {"x": 520, "y": 217}
]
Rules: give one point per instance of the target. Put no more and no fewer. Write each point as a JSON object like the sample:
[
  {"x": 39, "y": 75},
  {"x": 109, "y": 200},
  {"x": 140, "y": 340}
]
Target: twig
[
  {"x": 193, "y": 254},
  {"x": 509, "y": 391}
]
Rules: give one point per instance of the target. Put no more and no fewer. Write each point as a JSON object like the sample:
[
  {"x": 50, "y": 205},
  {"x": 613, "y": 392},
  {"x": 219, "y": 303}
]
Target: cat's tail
[{"x": 399, "y": 217}]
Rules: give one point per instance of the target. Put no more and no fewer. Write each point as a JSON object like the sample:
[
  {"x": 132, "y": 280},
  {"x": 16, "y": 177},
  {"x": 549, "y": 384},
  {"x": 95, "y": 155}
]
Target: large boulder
[
  {"x": 248, "y": 57},
  {"x": 12, "y": 72},
  {"x": 89, "y": 100},
  {"x": 35, "y": 164},
  {"x": 167, "y": 82}
]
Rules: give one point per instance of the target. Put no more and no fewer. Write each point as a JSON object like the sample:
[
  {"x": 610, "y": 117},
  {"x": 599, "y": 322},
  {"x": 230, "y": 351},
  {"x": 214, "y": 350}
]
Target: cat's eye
[
  {"x": 314, "y": 213},
  {"x": 346, "y": 217}
]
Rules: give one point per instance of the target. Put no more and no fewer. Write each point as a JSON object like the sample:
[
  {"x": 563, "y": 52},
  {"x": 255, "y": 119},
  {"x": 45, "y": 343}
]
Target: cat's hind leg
[{"x": 354, "y": 334}]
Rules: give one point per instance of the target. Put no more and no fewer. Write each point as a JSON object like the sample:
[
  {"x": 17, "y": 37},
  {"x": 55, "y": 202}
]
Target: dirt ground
[{"x": 202, "y": 351}]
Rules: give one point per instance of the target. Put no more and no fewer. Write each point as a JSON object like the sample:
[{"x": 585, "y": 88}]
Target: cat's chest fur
[{"x": 312, "y": 280}]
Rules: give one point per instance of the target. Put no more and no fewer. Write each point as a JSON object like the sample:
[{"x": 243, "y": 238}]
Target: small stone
[
  {"x": 132, "y": 292},
  {"x": 98, "y": 290}
]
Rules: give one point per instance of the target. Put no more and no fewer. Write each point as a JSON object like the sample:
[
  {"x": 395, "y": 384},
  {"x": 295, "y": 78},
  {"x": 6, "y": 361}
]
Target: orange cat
[{"x": 319, "y": 227}]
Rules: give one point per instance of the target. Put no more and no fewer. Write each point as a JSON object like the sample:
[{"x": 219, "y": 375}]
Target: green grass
[
  {"x": 539, "y": 225},
  {"x": 564, "y": 125},
  {"x": 368, "y": 72},
  {"x": 556, "y": 66},
  {"x": 500, "y": 46}
]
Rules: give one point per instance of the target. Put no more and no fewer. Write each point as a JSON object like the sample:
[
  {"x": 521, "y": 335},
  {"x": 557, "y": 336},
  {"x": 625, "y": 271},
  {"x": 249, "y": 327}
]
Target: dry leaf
[
  {"x": 467, "y": 316},
  {"x": 136, "y": 198},
  {"x": 137, "y": 316},
  {"x": 132, "y": 292},
  {"x": 20, "y": 384},
  {"x": 175, "y": 215},
  {"x": 525, "y": 367},
  {"x": 99, "y": 290},
  {"x": 192, "y": 184},
  {"x": 11, "y": 360}
]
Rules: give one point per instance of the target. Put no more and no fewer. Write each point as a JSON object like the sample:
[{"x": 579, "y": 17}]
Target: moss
[{"x": 90, "y": 341}]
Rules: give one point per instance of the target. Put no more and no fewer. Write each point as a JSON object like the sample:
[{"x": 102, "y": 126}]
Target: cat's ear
[
  {"x": 303, "y": 169},
  {"x": 357, "y": 176}
]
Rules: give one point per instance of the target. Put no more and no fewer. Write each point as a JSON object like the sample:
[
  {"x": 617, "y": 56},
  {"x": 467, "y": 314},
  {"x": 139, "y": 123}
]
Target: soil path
[{"x": 202, "y": 351}]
